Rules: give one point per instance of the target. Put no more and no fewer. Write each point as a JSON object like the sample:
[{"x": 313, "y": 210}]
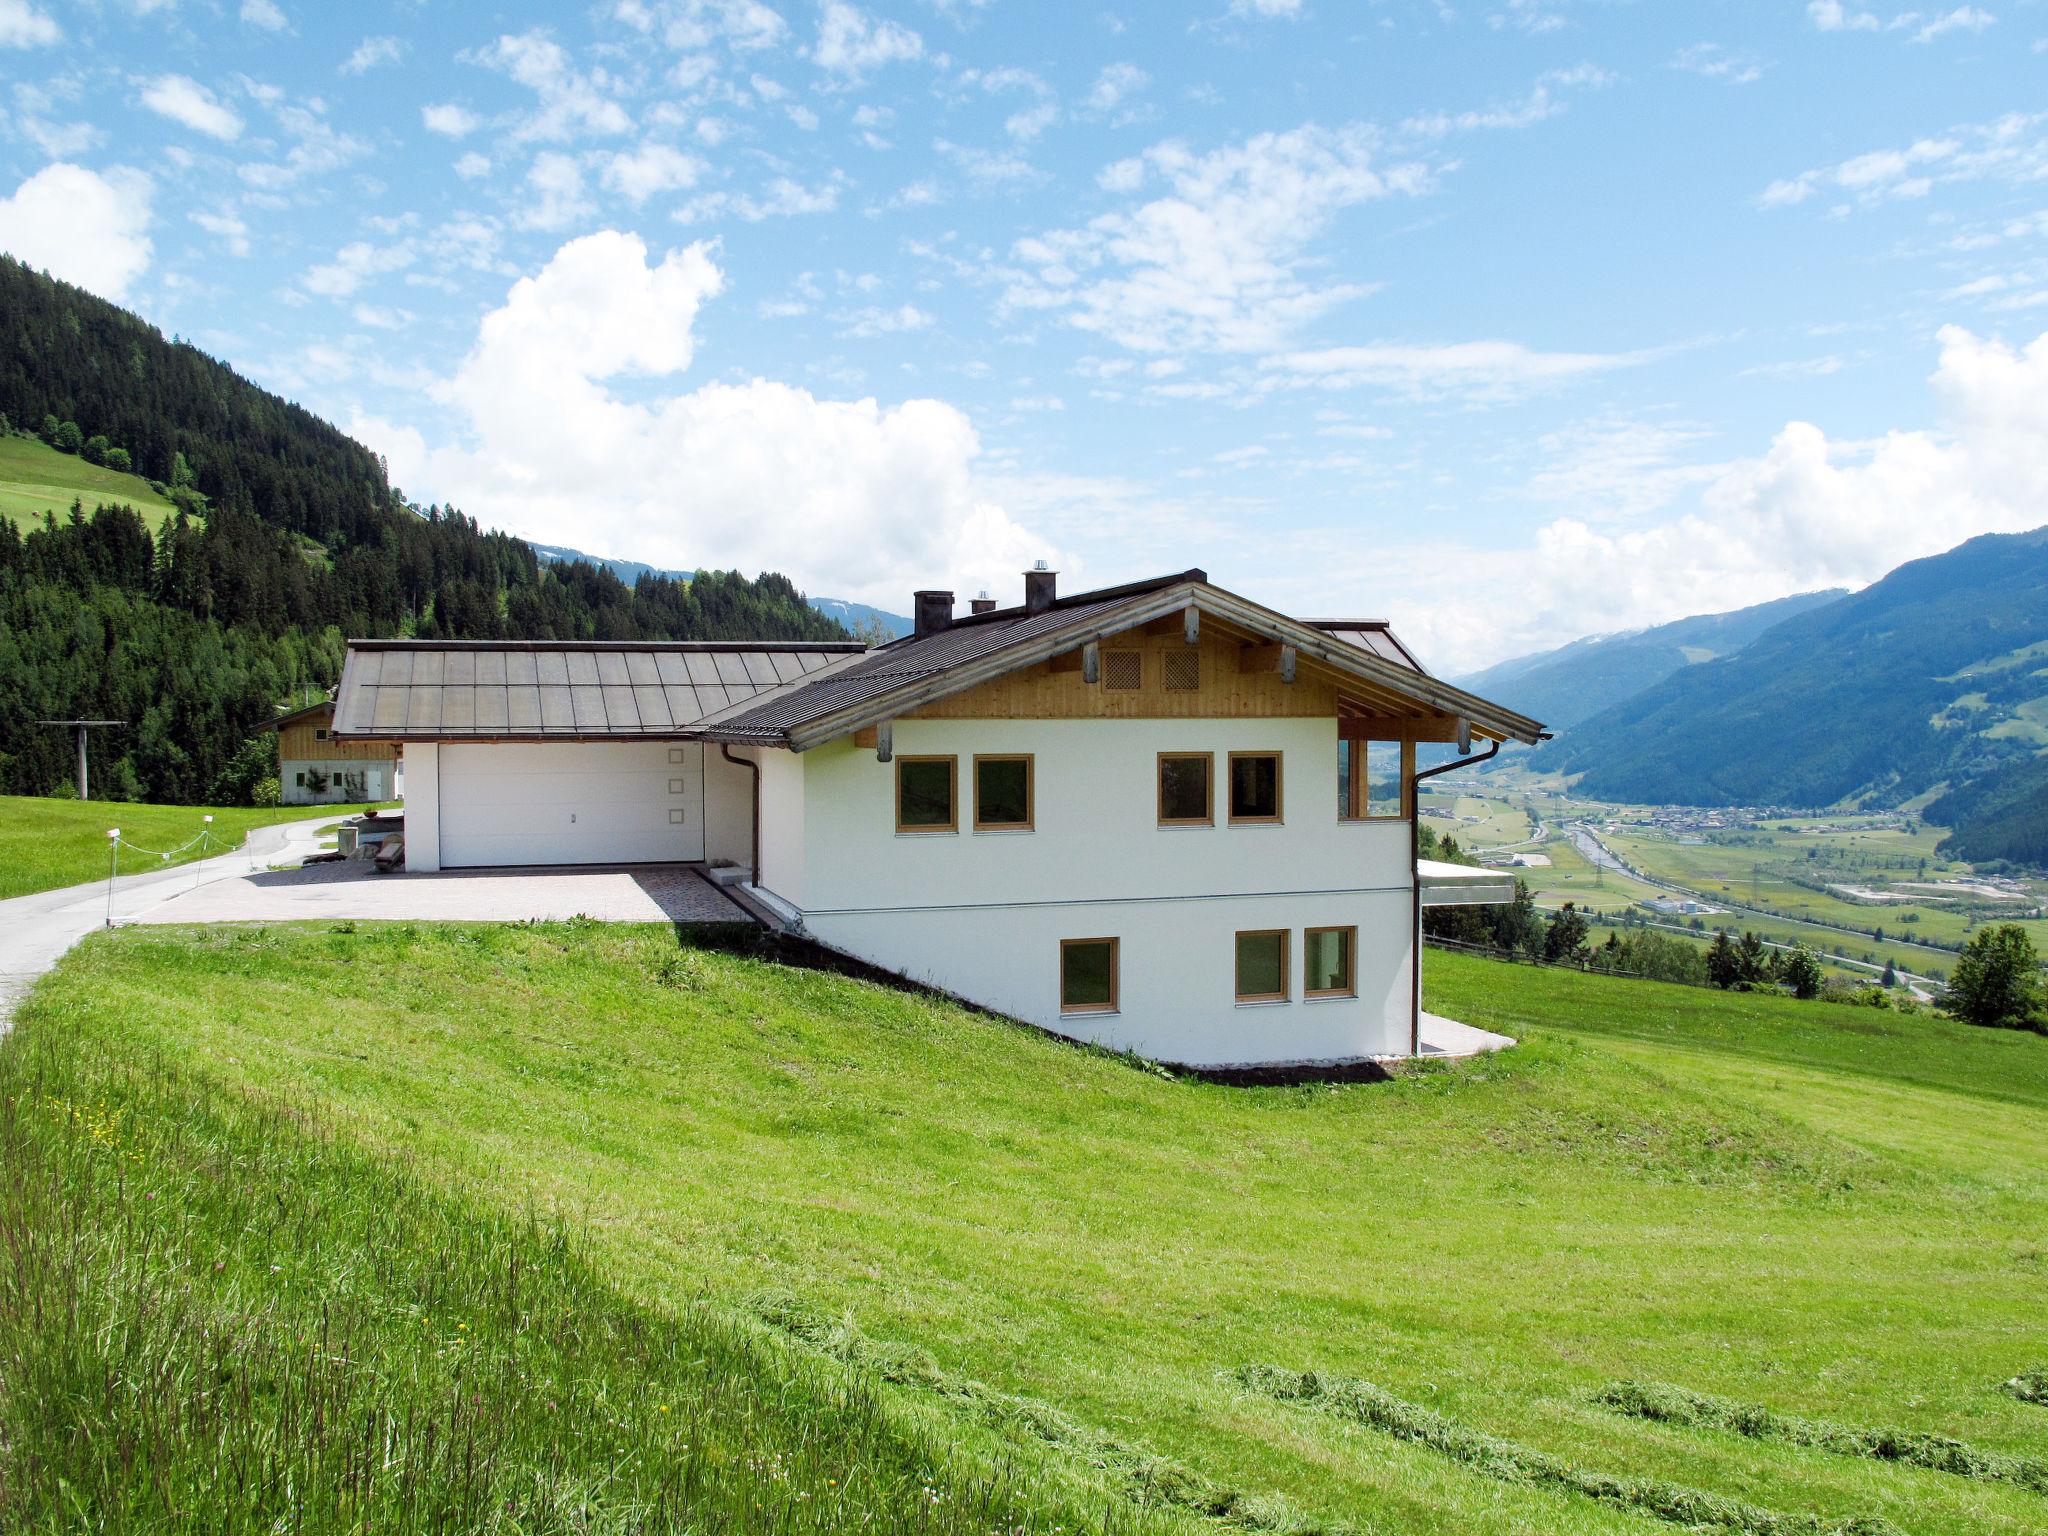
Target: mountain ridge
[{"x": 844, "y": 610}]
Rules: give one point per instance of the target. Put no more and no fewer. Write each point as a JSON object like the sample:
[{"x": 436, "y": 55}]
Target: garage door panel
[{"x": 571, "y": 803}]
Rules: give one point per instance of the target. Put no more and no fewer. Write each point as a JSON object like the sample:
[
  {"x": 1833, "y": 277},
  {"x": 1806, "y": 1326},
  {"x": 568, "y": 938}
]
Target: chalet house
[
  {"x": 315, "y": 768},
  {"x": 1159, "y": 816}
]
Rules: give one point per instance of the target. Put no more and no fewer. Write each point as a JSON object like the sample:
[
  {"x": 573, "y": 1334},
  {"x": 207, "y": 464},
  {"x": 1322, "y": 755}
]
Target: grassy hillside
[
  {"x": 45, "y": 844},
  {"x": 1829, "y": 1211},
  {"x": 35, "y": 478}
]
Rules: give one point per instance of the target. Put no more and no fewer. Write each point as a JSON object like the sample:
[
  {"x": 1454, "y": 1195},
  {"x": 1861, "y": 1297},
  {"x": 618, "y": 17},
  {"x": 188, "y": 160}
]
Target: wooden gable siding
[{"x": 297, "y": 743}]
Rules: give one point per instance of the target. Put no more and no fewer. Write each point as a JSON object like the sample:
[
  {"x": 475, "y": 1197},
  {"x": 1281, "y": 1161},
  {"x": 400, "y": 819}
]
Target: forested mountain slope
[
  {"x": 194, "y": 633},
  {"x": 1575, "y": 682},
  {"x": 1938, "y": 673}
]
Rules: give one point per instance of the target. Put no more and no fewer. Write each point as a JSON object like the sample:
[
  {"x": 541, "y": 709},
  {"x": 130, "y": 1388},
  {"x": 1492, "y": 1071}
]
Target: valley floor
[{"x": 1060, "y": 1259}]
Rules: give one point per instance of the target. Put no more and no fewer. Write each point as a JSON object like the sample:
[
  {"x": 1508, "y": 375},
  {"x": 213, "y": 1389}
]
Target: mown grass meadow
[{"x": 1065, "y": 1259}]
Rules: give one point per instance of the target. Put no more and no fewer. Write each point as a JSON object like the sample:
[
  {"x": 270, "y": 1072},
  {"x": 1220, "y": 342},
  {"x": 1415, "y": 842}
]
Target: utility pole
[{"x": 83, "y": 726}]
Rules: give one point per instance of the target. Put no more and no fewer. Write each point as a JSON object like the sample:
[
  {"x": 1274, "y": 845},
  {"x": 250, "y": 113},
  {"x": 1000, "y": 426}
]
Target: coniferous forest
[{"x": 289, "y": 539}]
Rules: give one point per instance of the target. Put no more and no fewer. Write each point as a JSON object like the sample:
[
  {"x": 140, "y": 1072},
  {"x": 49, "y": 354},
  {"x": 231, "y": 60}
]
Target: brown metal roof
[
  {"x": 452, "y": 690},
  {"x": 1370, "y": 635}
]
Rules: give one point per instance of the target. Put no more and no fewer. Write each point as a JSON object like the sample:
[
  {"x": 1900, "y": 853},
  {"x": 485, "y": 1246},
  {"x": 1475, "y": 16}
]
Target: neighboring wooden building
[
  {"x": 1158, "y": 816},
  {"x": 314, "y": 768}
]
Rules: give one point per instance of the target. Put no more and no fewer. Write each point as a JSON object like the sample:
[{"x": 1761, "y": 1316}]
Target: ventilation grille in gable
[
  {"x": 1183, "y": 671},
  {"x": 1123, "y": 669}
]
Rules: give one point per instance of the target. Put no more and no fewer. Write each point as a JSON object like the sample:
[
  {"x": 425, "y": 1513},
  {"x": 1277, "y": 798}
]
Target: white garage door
[{"x": 571, "y": 803}]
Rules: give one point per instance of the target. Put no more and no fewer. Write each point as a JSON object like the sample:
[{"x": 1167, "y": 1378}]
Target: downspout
[
  {"x": 1415, "y": 879},
  {"x": 754, "y": 768}
]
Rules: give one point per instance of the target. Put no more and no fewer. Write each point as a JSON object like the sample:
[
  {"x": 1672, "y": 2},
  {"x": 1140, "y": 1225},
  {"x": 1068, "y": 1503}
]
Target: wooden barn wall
[{"x": 296, "y": 743}]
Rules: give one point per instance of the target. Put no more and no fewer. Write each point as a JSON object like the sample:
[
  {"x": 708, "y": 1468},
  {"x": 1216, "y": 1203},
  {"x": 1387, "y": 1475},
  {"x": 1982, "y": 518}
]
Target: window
[
  {"x": 1002, "y": 794},
  {"x": 1186, "y": 794},
  {"x": 1326, "y": 962},
  {"x": 1254, "y": 786},
  {"x": 1370, "y": 777},
  {"x": 319, "y": 733},
  {"x": 1262, "y": 966},
  {"x": 299, "y": 779},
  {"x": 1087, "y": 975},
  {"x": 1183, "y": 671},
  {"x": 925, "y": 794},
  {"x": 1123, "y": 670}
]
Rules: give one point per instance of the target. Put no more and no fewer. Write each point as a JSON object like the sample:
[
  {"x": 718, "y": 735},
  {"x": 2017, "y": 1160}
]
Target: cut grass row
[
  {"x": 48, "y": 844},
  {"x": 1824, "y": 1209}
]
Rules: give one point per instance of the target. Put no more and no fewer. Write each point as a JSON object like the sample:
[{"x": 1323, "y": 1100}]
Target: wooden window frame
[
  {"x": 952, "y": 762},
  {"x": 1350, "y": 988},
  {"x": 1286, "y": 938},
  {"x": 1279, "y": 791},
  {"x": 1208, "y": 818},
  {"x": 1115, "y": 976},
  {"x": 1030, "y": 821},
  {"x": 1358, "y": 771}
]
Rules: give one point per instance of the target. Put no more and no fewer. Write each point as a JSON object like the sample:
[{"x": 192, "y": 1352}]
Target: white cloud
[
  {"x": 1540, "y": 102},
  {"x": 869, "y": 501},
  {"x": 318, "y": 147},
  {"x": 1287, "y": 10},
  {"x": 877, "y": 321},
  {"x": 1964, "y": 18},
  {"x": 1218, "y": 260},
  {"x": 87, "y": 228},
  {"x": 472, "y": 165},
  {"x": 2013, "y": 148},
  {"x": 1114, "y": 85},
  {"x": 744, "y": 26},
  {"x": 228, "y": 228},
  {"x": 852, "y": 43},
  {"x": 23, "y": 26},
  {"x": 1808, "y": 512},
  {"x": 781, "y": 198},
  {"x": 381, "y": 318},
  {"x": 1711, "y": 61},
  {"x": 651, "y": 169},
  {"x": 184, "y": 100},
  {"x": 449, "y": 120},
  {"x": 1833, "y": 16},
  {"x": 371, "y": 52},
  {"x": 571, "y": 102},
  {"x": 265, "y": 14},
  {"x": 1484, "y": 370},
  {"x": 354, "y": 265},
  {"x": 557, "y": 182}
]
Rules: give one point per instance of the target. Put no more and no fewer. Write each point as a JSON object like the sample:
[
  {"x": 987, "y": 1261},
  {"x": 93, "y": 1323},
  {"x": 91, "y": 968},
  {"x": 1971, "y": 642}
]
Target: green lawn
[
  {"x": 1834, "y": 1212},
  {"x": 45, "y": 844},
  {"x": 35, "y": 478}
]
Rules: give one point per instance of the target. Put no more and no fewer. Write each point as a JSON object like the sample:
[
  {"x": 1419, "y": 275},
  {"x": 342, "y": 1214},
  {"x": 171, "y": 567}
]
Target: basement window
[
  {"x": 1186, "y": 789},
  {"x": 1326, "y": 960},
  {"x": 1262, "y": 966},
  {"x": 1002, "y": 793},
  {"x": 1123, "y": 671},
  {"x": 1088, "y": 975},
  {"x": 1254, "y": 788},
  {"x": 926, "y": 795}
]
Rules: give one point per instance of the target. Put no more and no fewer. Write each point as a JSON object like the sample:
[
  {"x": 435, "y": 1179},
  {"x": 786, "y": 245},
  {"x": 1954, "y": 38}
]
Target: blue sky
[{"x": 1508, "y": 321}]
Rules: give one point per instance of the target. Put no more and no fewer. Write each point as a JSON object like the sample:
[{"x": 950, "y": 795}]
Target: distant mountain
[
  {"x": 1574, "y": 682},
  {"x": 630, "y": 571},
  {"x": 1938, "y": 674}
]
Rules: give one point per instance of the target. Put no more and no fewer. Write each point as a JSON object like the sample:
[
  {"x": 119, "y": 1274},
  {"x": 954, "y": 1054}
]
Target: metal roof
[
  {"x": 449, "y": 690},
  {"x": 1370, "y": 635}
]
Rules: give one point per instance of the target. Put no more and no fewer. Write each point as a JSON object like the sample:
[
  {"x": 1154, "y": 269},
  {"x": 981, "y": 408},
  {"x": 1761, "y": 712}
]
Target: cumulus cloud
[
  {"x": 2012, "y": 148},
  {"x": 555, "y": 182},
  {"x": 354, "y": 265},
  {"x": 651, "y": 169},
  {"x": 853, "y": 497},
  {"x": 184, "y": 100},
  {"x": 23, "y": 26},
  {"x": 371, "y": 52},
  {"x": 265, "y": 14},
  {"x": 228, "y": 228},
  {"x": 1218, "y": 259},
  {"x": 1809, "y": 511},
  {"x": 571, "y": 102},
  {"x": 85, "y": 227},
  {"x": 449, "y": 120},
  {"x": 851, "y": 43}
]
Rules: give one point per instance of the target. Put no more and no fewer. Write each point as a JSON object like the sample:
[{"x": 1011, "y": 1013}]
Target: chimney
[
  {"x": 933, "y": 613},
  {"x": 1041, "y": 585},
  {"x": 981, "y": 603}
]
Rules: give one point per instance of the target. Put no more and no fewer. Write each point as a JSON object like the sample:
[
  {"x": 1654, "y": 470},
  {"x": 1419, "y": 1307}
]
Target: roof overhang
[{"x": 1377, "y": 676}]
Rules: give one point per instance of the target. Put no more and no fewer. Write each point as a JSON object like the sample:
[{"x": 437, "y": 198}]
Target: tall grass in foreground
[{"x": 214, "y": 1317}]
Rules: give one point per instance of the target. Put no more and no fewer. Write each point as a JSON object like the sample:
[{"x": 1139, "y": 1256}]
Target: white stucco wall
[
  {"x": 982, "y": 914},
  {"x": 378, "y": 781},
  {"x": 728, "y": 807},
  {"x": 422, "y": 805},
  {"x": 782, "y": 825}
]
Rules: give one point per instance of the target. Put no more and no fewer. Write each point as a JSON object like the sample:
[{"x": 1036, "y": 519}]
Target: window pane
[
  {"x": 1329, "y": 960},
  {"x": 1254, "y": 788},
  {"x": 1184, "y": 789},
  {"x": 1261, "y": 964},
  {"x": 1088, "y": 974},
  {"x": 1382, "y": 778},
  {"x": 925, "y": 793},
  {"x": 1002, "y": 791},
  {"x": 1344, "y": 750}
]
